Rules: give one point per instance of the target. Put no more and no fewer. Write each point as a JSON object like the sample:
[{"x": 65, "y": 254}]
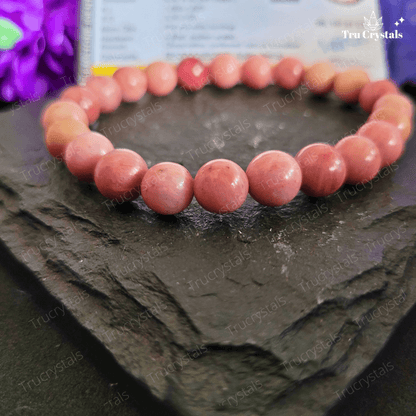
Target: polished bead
[
  {"x": 192, "y": 74},
  {"x": 348, "y": 84},
  {"x": 60, "y": 110},
  {"x": 394, "y": 116},
  {"x": 61, "y": 133},
  {"x": 274, "y": 178},
  {"x": 387, "y": 138},
  {"x": 108, "y": 92},
  {"x": 397, "y": 101},
  {"x": 82, "y": 154},
  {"x": 221, "y": 186},
  {"x": 256, "y": 72},
  {"x": 225, "y": 71},
  {"x": 119, "y": 173},
  {"x": 86, "y": 99},
  {"x": 167, "y": 188},
  {"x": 162, "y": 78},
  {"x": 323, "y": 169},
  {"x": 362, "y": 158},
  {"x": 319, "y": 78},
  {"x": 372, "y": 91},
  {"x": 288, "y": 73},
  {"x": 133, "y": 83}
]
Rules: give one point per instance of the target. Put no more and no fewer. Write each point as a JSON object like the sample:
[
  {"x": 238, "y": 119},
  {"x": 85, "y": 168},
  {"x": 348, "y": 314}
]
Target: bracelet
[{"x": 272, "y": 178}]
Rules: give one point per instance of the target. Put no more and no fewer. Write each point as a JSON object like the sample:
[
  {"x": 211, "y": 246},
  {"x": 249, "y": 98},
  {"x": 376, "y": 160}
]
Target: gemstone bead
[
  {"x": 256, "y": 72},
  {"x": 372, "y": 91},
  {"x": 161, "y": 78},
  {"x": 167, "y": 188},
  {"x": 225, "y": 71},
  {"x": 132, "y": 82},
  {"x": 108, "y": 92},
  {"x": 362, "y": 158},
  {"x": 221, "y": 186},
  {"x": 86, "y": 99},
  {"x": 119, "y": 173},
  {"x": 61, "y": 110},
  {"x": 394, "y": 116},
  {"x": 319, "y": 78},
  {"x": 348, "y": 84},
  {"x": 397, "y": 101},
  {"x": 274, "y": 178},
  {"x": 387, "y": 138},
  {"x": 192, "y": 74},
  {"x": 323, "y": 169},
  {"x": 61, "y": 133},
  {"x": 288, "y": 73},
  {"x": 82, "y": 154}
]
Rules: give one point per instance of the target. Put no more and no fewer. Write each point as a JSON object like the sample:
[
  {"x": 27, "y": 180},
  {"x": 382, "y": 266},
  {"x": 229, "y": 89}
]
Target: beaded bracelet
[{"x": 272, "y": 178}]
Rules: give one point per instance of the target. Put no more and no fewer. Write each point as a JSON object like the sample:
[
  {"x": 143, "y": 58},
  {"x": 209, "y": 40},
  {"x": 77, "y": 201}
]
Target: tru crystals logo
[{"x": 372, "y": 27}]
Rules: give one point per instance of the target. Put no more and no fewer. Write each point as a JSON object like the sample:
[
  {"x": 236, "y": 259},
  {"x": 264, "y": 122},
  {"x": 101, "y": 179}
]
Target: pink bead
[
  {"x": 323, "y": 169},
  {"x": 192, "y": 74},
  {"x": 133, "y": 83},
  {"x": 118, "y": 175},
  {"x": 83, "y": 153},
  {"x": 60, "y": 110},
  {"x": 387, "y": 138},
  {"x": 225, "y": 71},
  {"x": 395, "y": 100},
  {"x": 86, "y": 99},
  {"x": 161, "y": 78},
  {"x": 108, "y": 92},
  {"x": 256, "y": 72},
  {"x": 361, "y": 157},
  {"x": 167, "y": 188},
  {"x": 274, "y": 177},
  {"x": 221, "y": 186},
  {"x": 288, "y": 73},
  {"x": 372, "y": 91}
]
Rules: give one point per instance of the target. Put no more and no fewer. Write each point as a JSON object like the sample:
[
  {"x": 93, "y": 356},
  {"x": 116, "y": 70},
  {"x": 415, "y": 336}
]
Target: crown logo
[{"x": 373, "y": 23}]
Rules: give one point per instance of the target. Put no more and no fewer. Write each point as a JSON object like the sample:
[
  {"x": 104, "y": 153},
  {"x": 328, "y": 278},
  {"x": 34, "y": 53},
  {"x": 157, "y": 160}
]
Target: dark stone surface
[{"x": 113, "y": 266}]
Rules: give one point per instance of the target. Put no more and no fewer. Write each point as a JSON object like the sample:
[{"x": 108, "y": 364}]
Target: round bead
[
  {"x": 161, "y": 78},
  {"x": 82, "y": 154},
  {"x": 386, "y": 137},
  {"x": 119, "y": 173},
  {"x": 167, "y": 188},
  {"x": 61, "y": 110},
  {"x": 221, "y": 186},
  {"x": 288, "y": 73},
  {"x": 323, "y": 169},
  {"x": 256, "y": 72},
  {"x": 132, "y": 82},
  {"x": 274, "y": 177},
  {"x": 361, "y": 157},
  {"x": 397, "y": 101},
  {"x": 394, "y": 116},
  {"x": 86, "y": 99},
  {"x": 61, "y": 133},
  {"x": 108, "y": 92},
  {"x": 225, "y": 71},
  {"x": 319, "y": 78},
  {"x": 348, "y": 84},
  {"x": 192, "y": 74},
  {"x": 372, "y": 91}
]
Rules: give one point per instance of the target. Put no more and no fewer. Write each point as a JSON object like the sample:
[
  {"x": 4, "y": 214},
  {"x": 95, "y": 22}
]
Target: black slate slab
[{"x": 260, "y": 312}]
